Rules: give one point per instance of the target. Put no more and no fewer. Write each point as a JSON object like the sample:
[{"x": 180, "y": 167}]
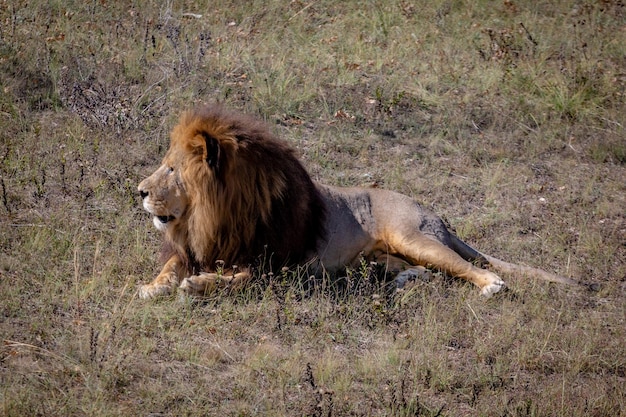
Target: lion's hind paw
[{"x": 490, "y": 289}]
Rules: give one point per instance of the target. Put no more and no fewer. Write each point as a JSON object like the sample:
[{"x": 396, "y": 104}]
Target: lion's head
[{"x": 228, "y": 190}]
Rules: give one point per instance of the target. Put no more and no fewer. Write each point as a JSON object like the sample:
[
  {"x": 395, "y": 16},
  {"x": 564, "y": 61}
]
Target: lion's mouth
[{"x": 165, "y": 219}]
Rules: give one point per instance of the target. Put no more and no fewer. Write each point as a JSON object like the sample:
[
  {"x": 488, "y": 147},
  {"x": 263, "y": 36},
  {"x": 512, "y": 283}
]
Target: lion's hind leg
[
  {"x": 405, "y": 274},
  {"x": 209, "y": 282},
  {"x": 430, "y": 253}
]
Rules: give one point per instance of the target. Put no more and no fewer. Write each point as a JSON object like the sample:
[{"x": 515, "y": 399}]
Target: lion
[{"x": 230, "y": 197}]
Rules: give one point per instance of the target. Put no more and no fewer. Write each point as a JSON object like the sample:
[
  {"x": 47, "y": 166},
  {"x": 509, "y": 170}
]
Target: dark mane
[{"x": 251, "y": 200}]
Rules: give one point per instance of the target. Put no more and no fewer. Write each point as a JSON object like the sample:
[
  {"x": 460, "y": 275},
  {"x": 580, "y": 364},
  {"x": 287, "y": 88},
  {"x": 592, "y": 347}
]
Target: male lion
[{"x": 228, "y": 193}]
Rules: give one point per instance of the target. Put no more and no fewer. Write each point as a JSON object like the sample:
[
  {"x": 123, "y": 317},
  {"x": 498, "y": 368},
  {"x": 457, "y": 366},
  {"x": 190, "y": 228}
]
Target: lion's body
[
  {"x": 229, "y": 194},
  {"x": 390, "y": 227}
]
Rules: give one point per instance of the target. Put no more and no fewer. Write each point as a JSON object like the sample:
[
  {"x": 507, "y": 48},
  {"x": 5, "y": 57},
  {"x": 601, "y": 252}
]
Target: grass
[{"x": 506, "y": 117}]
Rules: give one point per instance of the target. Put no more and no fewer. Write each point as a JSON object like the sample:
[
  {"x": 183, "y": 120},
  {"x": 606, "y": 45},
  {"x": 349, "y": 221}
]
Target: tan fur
[{"x": 229, "y": 196}]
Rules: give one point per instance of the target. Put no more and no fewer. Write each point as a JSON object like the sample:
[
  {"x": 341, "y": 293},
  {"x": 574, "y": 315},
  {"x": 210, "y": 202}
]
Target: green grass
[{"x": 507, "y": 118}]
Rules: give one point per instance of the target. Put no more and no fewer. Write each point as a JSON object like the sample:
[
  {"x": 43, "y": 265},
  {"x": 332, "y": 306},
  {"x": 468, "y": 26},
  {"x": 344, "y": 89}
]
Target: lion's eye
[{"x": 170, "y": 170}]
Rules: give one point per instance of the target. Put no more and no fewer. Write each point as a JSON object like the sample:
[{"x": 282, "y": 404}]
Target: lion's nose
[{"x": 143, "y": 194}]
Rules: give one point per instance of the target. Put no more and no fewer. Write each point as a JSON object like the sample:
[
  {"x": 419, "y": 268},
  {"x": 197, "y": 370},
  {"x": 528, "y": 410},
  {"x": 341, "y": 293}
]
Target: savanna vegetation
[{"x": 506, "y": 117}]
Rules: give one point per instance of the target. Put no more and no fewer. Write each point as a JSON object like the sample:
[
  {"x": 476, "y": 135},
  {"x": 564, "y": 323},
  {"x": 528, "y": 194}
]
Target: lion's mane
[{"x": 250, "y": 199}]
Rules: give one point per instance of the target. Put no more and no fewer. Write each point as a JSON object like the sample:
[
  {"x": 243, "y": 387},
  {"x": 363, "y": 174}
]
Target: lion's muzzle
[
  {"x": 161, "y": 221},
  {"x": 165, "y": 219}
]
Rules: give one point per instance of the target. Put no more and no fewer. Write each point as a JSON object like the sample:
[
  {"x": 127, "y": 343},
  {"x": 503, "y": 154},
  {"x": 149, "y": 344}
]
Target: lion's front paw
[
  {"x": 153, "y": 290},
  {"x": 193, "y": 285},
  {"x": 202, "y": 284},
  {"x": 490, "y": 289},
  {"x": 199, "y": 284}
]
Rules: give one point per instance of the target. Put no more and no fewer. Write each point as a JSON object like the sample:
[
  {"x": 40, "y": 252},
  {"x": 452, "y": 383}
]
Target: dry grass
[{"x": 508, "y": 117}]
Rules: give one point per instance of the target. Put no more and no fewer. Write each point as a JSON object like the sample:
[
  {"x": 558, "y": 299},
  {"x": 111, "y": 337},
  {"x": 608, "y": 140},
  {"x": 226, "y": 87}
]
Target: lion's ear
[{"x": 212, "y": 149}]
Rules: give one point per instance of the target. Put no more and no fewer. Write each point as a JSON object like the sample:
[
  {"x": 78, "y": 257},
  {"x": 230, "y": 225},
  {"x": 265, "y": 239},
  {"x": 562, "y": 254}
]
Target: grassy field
[{"x": 507, "y": 118}]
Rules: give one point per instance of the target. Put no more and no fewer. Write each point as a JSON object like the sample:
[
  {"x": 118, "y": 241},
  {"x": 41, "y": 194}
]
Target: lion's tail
[
  {"x": 528, "y": 271},
  {"x": 472, "y": 255}
]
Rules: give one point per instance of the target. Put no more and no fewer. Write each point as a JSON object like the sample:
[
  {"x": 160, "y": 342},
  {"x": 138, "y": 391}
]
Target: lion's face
[
  {"x": 164, "y": 195},
  {"x": 228, "y": 190}
]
